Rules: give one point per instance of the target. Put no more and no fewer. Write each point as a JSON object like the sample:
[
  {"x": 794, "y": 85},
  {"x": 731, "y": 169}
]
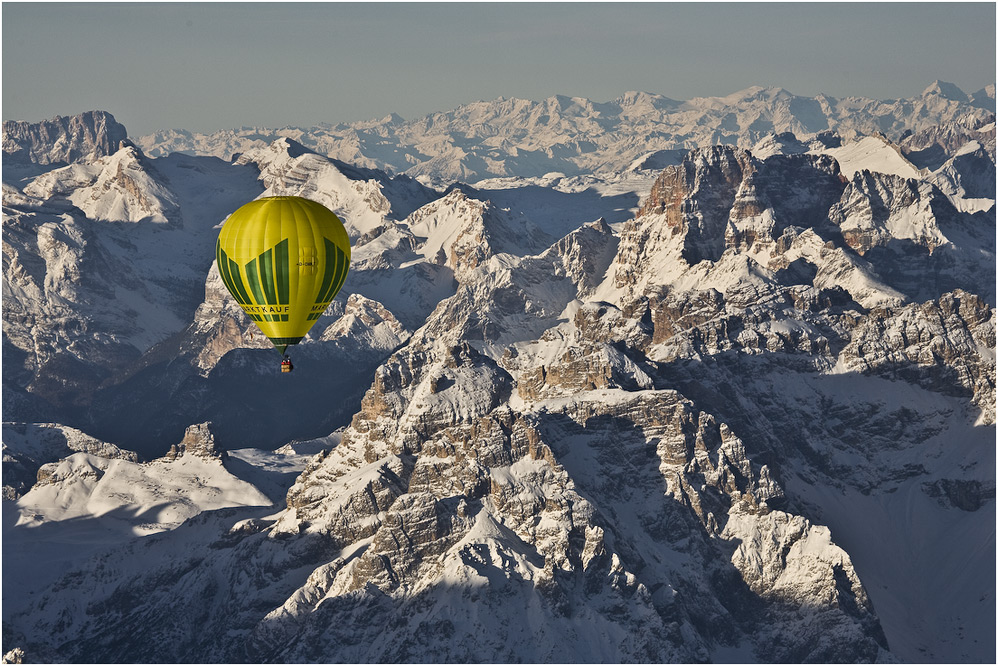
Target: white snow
[
  {"x": 152, "y": 497},
  {"x": 920, "y": 560},
  {"x": 507, "y": 137},
  {"x": 93, "y": 504},
  {"x": 929, "y": 592},
  {"x": 894, "y": 533},
  {"x": 871, "y": 153}
]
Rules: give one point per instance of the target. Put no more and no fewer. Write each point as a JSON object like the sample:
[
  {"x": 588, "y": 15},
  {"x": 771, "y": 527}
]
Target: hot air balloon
[{"x": 283, "y": 259}]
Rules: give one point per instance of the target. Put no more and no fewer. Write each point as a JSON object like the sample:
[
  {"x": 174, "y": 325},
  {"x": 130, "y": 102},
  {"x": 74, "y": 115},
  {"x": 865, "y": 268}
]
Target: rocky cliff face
[
  {"x": 724, "y": 197},
  {"x": 710, "y": 432},
  {"x": 944, "y": 345},
  {"x": 64, "y": 139},
  {"x": 933, "y": 145},
  {"x": 198, "y": 441}
]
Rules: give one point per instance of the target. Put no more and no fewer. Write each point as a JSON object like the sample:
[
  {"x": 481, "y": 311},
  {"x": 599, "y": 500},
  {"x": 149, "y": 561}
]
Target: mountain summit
[
  {"x": 63, "y": 139},
  {"x": 573, "y": 135},
  {"x": 946, "y": 90},
  {"x": 694, "y": 410}
]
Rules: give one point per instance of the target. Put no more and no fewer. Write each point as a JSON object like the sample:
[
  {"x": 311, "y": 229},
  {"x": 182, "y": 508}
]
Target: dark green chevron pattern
[
  {"x": 268, "y": 276},
  {"x": 335, "y": 272},
  {"x": 229, "y": 270}
]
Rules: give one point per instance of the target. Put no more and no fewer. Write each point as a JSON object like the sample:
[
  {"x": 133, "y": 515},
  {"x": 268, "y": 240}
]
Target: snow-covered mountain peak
[
  {"x": 462, "y": 232},
  {"x": 439, "y": 224},
  {"x": 83, "y": 138},
  {"x": 121, "y": 187},
  {"x": 363, "y": 199},
  {"x": 128, "y": 189},
  {"x": 584, "y": 255},
  {"x": 392, "y": 119},
  {"x": 517, "y": 137},
  {"x": 946, "y": 90},
  {"x": 706, "y": 432},
  {"x": 985, "y": 97},
  {"x": 755, "y": 94},
  {"x": 778, "y": 144},
  {"x": 367, "y": 322},
  {"x": 275, "y": 159},
  {"x": 281, "y": 149},
  {"x": 639, "y": 102}
]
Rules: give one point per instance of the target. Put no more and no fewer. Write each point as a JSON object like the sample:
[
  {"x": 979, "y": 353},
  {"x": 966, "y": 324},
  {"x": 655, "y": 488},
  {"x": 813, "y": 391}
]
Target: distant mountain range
[
  {"x": 641, "y": 381},
  {"x": 573, "y": 135}
]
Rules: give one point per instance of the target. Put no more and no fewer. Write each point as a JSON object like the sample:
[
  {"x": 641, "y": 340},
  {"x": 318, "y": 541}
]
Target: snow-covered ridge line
[
  {"x": 697, "y": 411},
  {"x": 573, "y": 135}
]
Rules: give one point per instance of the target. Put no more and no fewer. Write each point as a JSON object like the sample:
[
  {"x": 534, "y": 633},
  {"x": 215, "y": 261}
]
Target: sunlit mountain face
[{"x": 634, "y": 381}]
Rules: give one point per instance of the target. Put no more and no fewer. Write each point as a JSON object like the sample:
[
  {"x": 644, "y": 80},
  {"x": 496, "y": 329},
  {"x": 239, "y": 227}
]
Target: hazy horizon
[{"x": 210, "y": 66}]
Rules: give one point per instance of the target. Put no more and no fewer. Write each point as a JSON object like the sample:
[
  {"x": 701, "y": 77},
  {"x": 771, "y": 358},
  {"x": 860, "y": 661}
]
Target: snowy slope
[
  {"x": 157, "y": 495},
  {"x": 87, "y": 503},
  {"x": 358, "y": 197},
  {"x": 160, "y": 495},
  {"x": 915, "y": 487},
  {"x": 28, "y": 446},
  {"x": 739, "y": 409},
  {"x": 871, "y": 153}
]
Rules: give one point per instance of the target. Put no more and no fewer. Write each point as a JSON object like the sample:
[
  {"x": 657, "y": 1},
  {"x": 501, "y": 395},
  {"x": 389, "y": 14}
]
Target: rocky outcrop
[
  {"x": 878, "y": 209},
  {"x": 220, "y": 325},
  {"x": 712, "y": 430},
  {"x": 945, "y": 345},
  {"x": 581, "y": 490},
  {"x": 725, "y": 198},
  {"x": 930, "y": 147},
  {"x": 963, "y": 494},
  {"x": 968, "y": 174},
  {"x": 697, "y": 197},
  {"x": 367, "y": 325},
  {"x": 568, "y": 498},
  {"x": 82, "y": 138},
  {"x": 15, "y": 656},
  {"x": 199, "y": 440}
]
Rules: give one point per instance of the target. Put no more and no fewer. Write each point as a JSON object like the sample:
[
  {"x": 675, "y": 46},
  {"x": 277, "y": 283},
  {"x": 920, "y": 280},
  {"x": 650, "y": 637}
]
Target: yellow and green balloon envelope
[{"x": 283, "y": 259}]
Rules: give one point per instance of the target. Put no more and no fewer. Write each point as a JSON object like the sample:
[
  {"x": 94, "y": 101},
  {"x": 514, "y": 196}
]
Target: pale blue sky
[{"x": 206, "y": 66}]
